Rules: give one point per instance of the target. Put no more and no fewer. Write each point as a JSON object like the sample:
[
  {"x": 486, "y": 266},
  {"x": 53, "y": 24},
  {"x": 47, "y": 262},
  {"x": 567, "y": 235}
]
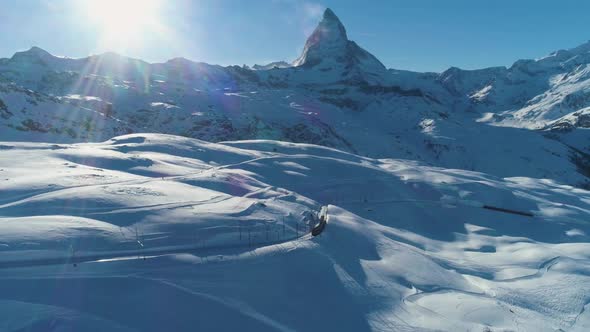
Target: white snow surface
[
  {"x": 179, "y": 196},
  {"x": 407, "y": 246}
]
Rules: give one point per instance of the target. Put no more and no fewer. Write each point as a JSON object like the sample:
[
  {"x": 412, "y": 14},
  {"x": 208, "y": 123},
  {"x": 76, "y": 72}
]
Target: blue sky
[{"x": 423, "y": 35}]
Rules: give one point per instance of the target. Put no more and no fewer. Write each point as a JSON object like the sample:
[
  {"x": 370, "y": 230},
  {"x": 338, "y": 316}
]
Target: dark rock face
[{"x": 4, "y": 112}]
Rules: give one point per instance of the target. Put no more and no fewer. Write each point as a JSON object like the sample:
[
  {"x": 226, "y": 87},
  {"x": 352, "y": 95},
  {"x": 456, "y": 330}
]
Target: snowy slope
[
  {"x": 180, "y": 196},
  {"x": 407, "y": 246}
]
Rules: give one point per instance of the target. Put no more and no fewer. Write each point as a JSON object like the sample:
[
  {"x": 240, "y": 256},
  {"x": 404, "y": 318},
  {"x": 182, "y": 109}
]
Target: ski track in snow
[
  {"x": 241, "y": 307},
  {"x": 378, "y": 259}
]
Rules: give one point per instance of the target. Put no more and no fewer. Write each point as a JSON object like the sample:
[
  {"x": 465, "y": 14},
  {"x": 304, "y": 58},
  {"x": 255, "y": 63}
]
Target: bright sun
[{"x": 123, "y": 23}]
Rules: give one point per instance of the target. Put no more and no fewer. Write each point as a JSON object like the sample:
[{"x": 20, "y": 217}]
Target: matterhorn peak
[
  {"x": 331, "y": 27},
  {"x": 329, "y": 37},
  {"x": 329, "y": 47},
  {"x": 329, "y": 15}
]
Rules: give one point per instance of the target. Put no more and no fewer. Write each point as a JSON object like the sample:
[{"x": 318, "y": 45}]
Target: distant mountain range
[{"x": 531, "y": 119}]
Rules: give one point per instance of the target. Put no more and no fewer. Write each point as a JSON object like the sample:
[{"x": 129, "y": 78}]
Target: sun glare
[{"x": 123, "y": 23}]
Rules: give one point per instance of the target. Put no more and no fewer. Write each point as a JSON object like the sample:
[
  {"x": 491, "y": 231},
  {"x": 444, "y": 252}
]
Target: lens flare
[{"x": 122, "y": 24}]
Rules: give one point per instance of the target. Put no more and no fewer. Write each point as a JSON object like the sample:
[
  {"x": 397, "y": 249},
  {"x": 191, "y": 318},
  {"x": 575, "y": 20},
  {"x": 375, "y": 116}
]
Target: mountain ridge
[
  {"x": 445, "y": 119},
  {"x": 329, "y": 13}
]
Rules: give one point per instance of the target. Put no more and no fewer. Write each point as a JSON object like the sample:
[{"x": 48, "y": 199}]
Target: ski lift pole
[{"x": 73, "y": 255}]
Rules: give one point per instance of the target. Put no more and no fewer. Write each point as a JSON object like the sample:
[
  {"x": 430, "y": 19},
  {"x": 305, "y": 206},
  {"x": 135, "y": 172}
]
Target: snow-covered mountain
[{"x": 526, "y": 120}]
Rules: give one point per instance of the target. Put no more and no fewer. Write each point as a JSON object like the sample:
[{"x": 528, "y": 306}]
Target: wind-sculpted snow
[
  {"x": 171, "y": 233},
  {"x": 158, "y": 230}
]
